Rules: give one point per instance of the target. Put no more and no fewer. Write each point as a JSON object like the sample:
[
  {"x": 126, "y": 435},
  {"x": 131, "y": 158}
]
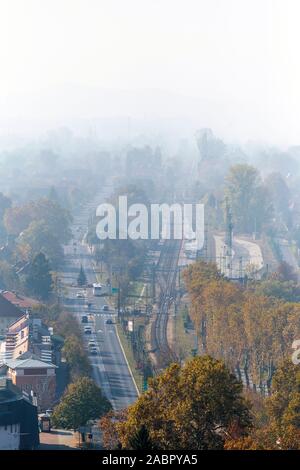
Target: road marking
[{"x": 129, "y": 368}]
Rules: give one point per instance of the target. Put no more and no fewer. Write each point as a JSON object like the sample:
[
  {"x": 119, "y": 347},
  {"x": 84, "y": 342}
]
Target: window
[{"x": 35, "y": 371}]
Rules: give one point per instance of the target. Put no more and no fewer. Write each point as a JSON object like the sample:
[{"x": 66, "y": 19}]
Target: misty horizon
[{"x": 231, "y": 66}]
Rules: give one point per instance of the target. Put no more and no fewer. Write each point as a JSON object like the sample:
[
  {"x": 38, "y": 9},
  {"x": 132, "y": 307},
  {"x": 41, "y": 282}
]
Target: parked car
[
  {"x": 93, "y": 351},
  {"x": 109, "y": 322},
  {"x": 105, "y": 308},
  {"x": 84, "y": 319},
  {"x": 79, "y": 295},
  {"x": 87, "y": 330}
]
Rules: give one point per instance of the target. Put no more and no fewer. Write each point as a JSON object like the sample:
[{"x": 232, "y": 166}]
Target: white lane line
[{"x": 129, "y": 368}]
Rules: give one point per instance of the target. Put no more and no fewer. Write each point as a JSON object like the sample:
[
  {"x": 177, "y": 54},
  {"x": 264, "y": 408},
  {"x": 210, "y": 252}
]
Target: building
[
  {"x": 32, "y": 375},
  {"x": 28, "y": 334},
  {"x": 9, "y": 313},
  {"x": 17, "y": 338},
  {"x": 18, "y": 418}
]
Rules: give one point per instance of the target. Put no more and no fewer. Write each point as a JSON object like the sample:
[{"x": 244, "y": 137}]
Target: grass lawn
[{"x": 185, "y": 339}]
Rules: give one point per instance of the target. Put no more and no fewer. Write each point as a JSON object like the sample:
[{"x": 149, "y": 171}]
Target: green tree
[
  {"x": 285, "y": 272},
  {"x": 189, "y": 407},
  {"x": 8, "y": 278},
  {"x": 83, "y": 401},
  {"x": 247, "y": 198},
  {"x": 141, "y": 440},
  {"x": 285, "y": 290},
  {"x": 39, "y": 278},
  {"x": 81, "y": 279},
  {"x": 280, "y": 194},
  {"x": 76, "y": 357}
]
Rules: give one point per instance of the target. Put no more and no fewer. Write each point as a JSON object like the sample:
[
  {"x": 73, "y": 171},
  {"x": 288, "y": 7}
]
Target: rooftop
[
  {"x": 8, "y": 309},
  {"x": 29, "y": 361},
  {"x": 8, "y": 391},
  {"x": 19, "y": 300}
]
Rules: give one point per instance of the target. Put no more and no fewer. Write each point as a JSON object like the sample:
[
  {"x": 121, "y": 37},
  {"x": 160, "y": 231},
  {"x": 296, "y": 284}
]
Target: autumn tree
[
  {"x": 189, "y": 407},
  {"x": 17, "y": 219},
  {"x": 196, "y": 277},
  {"x": 54, "y": 217},
  {"x": 251, "y": 331},
  {"x": 284, "y": 403},
  {"x": 5, "y": 203},
  {"x": 282, "y": 428},
  {"x": 108, "y": 425},
  {"x": 38, "y": 237}
]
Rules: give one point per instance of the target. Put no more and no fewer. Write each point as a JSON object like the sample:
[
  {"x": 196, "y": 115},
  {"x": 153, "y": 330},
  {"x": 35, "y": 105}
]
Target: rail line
[{"x": 167, "y": 272}]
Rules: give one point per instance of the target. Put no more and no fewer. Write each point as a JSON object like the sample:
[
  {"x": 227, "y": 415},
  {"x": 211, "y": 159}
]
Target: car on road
[
  {"x": 87, "y": 330},
  {"x": 84, "y": 319},
  {"x": 105, "y": 308},
  {"x": 109, "y": 322},
  {"x": 80, "y": 295},
  {"x": 93, "y": 351}
]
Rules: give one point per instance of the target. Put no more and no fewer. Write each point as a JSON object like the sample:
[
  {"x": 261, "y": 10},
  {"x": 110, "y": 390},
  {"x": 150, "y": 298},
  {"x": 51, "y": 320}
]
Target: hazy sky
[{"x": 230, "y": 64}]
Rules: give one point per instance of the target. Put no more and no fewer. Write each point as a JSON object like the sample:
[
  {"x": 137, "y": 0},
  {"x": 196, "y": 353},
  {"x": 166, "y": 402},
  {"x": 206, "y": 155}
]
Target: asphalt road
[{"x": 110, "y": 369}]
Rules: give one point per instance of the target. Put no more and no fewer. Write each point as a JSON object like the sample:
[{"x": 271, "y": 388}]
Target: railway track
[{"x": 167, "y": 272}]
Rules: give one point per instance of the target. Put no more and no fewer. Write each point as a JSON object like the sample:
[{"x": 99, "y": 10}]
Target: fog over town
[{"x": 149, "y": 227}]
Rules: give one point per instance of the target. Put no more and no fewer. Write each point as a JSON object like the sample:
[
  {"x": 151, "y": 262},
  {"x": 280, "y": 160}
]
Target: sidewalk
[{"x": 58, "y": 439}]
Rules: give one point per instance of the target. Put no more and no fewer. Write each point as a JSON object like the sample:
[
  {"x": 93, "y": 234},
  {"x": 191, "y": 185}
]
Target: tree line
[
  {"x": 251, "y": 331},
  {"x": 202, "y": 405}
]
